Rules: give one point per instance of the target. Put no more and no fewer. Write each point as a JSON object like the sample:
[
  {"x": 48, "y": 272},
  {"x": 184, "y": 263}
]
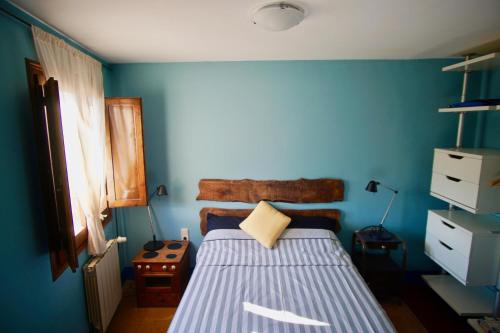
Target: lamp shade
[
  {"x": 372, "y": 186},
  {"x": 161, "y": 190}
]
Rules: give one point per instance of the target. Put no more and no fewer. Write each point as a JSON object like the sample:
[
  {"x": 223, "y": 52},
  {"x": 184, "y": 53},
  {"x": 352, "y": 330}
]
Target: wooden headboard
[
  {"x": 333, "y": 214},
  {"x": 252, "y": 191}
]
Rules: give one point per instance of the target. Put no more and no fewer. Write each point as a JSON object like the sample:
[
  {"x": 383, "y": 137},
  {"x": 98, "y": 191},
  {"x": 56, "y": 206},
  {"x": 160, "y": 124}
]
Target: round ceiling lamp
[{"x": 278, "y": 16}]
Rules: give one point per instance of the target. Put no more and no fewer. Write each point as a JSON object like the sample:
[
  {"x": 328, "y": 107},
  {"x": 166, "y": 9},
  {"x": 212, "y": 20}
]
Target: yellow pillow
[{"x": 265, "y": 224}]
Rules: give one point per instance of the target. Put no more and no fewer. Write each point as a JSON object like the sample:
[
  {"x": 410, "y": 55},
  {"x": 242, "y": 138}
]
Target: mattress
[{"x": 306, "y": 283}]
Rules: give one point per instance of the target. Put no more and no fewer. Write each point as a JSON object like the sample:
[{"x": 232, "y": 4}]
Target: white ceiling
[{"x": 221, "y": 30}]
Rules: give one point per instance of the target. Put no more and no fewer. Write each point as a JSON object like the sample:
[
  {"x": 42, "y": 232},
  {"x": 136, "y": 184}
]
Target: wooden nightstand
[
  {"x": 373, "y": 258},
  {"x": 160, "y": 281}
]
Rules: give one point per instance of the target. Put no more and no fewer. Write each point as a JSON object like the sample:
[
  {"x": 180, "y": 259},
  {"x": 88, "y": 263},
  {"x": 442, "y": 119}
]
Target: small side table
[
  {"x": 161, "y": 280},
  {"x": 373, "y": 258}
]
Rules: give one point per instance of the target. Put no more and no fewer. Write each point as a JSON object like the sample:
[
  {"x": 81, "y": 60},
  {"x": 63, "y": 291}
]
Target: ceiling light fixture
[{"x": 278, "y": 16}]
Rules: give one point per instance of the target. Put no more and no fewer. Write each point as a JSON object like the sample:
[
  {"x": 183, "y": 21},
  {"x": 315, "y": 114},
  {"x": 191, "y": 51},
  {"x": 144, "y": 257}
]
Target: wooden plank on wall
[{"x": 295, "y": 191}]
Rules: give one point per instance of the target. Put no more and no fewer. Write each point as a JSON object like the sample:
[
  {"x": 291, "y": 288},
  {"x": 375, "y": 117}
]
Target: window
[{"x": 126, "y": 180}]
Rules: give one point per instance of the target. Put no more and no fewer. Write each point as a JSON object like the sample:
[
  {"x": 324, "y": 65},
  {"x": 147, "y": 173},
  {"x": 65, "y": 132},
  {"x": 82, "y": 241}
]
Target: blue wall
[
  {"x": 355, "y": 120},
  {"x": 490, "y": 132},
  {"x": 29, "y": 301}
]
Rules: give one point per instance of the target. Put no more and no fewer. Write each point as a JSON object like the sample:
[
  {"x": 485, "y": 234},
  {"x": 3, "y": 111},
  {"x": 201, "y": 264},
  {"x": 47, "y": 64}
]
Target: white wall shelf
[
  {"x": 472, "y": 108},
  {"x": 486, "y": 62},
  {"x": 462, "y": 177},
  {"x": 466, "y": 301}
]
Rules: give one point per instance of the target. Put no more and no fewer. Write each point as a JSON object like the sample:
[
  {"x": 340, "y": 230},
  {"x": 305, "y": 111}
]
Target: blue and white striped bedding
[{"x": 307, "y": 275}]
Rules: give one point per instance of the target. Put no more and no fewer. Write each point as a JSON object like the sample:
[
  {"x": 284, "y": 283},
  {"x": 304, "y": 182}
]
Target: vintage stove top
[{"x": 170, "y": 253}]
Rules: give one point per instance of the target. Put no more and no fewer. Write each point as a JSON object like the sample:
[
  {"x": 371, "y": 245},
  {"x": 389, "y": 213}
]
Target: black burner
[
  {"x": 153, "y": 245},
  {"x": 174, "y": 246},
  {"x": 150, "y": 254},
  {"x": 171, "y": 255}
]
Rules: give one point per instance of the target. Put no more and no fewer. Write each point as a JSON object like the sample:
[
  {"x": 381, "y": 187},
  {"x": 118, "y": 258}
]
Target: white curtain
[{"x": 81, "y": 97}]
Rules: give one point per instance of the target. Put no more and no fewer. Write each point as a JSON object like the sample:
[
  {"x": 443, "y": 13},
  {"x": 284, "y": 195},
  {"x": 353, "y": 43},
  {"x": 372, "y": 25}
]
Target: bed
[{"x": 305, "y": 283}]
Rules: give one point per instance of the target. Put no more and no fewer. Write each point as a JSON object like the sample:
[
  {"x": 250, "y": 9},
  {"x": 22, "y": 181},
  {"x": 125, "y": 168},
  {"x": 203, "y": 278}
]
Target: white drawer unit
[
  {"x": 462, "y": 177},
  {"x": 466, "y": 246},
  {"x": 447, "y": 257},
  {"x": 450, "y": 233}
]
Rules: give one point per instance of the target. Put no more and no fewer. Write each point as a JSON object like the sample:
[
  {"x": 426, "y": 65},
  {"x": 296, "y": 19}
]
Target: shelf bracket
[{"x": 461, "y": 115}]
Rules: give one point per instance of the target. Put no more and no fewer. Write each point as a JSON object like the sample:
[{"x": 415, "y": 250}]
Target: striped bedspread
[{"x": 306, "y": 283}]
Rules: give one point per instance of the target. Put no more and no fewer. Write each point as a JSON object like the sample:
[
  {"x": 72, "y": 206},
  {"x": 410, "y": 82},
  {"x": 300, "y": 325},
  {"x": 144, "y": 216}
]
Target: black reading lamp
[
  {"x": 378, "y": 231},
  {"x": 154, "y": 245}
]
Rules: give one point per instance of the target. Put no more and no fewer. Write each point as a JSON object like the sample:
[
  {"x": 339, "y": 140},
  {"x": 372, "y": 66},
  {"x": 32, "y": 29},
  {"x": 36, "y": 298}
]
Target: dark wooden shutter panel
[
  {"x": 59, "y": 177},
  {"x": 52, "y": 170}
]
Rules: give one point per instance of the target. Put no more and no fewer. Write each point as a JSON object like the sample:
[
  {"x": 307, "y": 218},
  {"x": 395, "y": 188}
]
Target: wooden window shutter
[
  {"x": 52, "y": 170},
  {"x": 126, "y": 172}
]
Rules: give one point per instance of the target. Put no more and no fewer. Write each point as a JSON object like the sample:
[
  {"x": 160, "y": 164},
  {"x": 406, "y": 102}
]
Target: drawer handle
[
  {"x": 457, "y": 157},
  {"x": 453, "y": 179},
  {"x": 446, "y": 246},
  {"x": 447, "y": 224}
]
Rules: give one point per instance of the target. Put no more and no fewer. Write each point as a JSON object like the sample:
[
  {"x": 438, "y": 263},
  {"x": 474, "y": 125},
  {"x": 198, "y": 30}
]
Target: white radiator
[{"x": 103, "y": 287}]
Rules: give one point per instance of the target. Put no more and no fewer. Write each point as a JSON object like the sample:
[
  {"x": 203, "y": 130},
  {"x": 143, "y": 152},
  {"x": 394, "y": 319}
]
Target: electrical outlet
[{"x": 185, "y": 234}]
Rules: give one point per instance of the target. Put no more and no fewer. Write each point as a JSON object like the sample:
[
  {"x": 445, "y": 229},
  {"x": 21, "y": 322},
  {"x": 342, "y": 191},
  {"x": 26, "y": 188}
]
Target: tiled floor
[{"x": 130, "y": 318}]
